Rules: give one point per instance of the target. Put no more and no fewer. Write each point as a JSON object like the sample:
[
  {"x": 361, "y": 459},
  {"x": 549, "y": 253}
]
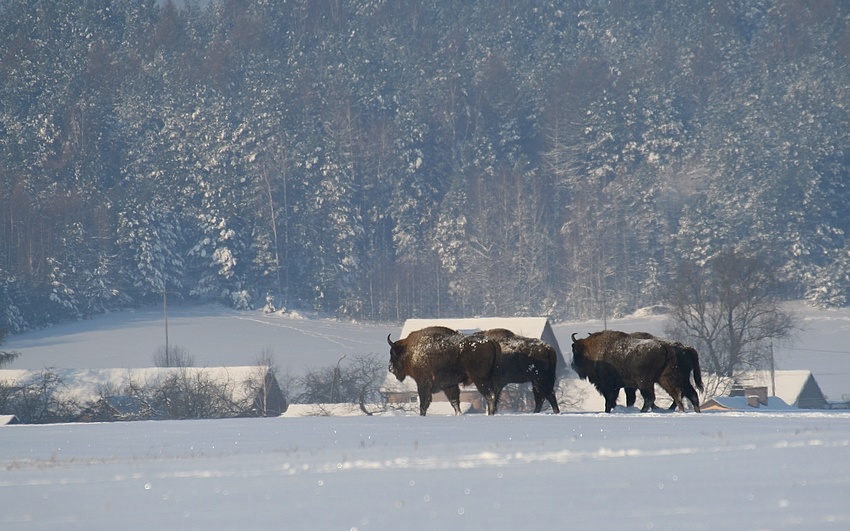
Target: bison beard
[
  {"x": 439, "y": 358},
  {"x": 525, "y": 359},
  {"x": 611, "y": 360}
]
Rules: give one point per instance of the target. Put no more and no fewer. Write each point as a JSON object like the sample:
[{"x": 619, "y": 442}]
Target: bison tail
[{"x": 697, "y": 372}]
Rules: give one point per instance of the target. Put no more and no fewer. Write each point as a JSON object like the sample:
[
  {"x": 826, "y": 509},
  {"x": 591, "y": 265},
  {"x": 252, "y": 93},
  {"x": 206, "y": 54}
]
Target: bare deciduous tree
[
  {"x": 729, "y": 310},
  {"x": 357, "y": 382}
]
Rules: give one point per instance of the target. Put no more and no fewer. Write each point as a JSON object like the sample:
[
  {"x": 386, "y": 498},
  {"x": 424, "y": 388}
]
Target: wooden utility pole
[
  {"x": 165, "y": 315},
  {"x": 772, "y": 373}
]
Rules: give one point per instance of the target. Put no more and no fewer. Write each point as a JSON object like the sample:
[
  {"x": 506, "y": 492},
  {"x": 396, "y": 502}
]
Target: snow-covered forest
[{"x": 384, "y": 160}]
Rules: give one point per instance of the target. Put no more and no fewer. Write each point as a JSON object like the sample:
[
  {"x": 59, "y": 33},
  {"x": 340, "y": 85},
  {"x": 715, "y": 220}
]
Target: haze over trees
[{"x": 384, "y": 160}]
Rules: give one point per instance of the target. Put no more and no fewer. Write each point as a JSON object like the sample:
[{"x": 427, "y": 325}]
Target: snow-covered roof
[
  {"x": 537, "y": 327},
  {"x": 743, "y": 403}
]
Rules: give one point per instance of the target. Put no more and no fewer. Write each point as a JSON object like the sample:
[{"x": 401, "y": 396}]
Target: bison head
[
  {"x": 580, "y": 361},
  {"x": 396, "y": 365}
]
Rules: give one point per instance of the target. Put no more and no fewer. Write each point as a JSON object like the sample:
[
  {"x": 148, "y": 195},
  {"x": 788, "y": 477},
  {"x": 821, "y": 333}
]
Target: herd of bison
[{"x": 440, "y": 359}]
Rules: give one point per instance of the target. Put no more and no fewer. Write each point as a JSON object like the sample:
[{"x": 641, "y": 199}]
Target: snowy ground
[
  {"x": 754, "y": 470},
  {"x": 569, "y": 471}
]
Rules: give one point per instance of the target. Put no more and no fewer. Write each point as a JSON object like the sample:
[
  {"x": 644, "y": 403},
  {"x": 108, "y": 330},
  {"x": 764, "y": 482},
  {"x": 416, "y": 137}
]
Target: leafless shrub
[
  {"x": 174, "y": 356},
  {"x": 357, "y": 382},
  {"x": 39, "y": 400},
  {"x": 194, "y": 395}
]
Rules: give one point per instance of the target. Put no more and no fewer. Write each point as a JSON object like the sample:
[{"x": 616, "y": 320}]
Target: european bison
[
  {"x": 611, "y": 360},
  {"x": 439, "y": 358},
  {"x": 687, "y": 362},
  {"x": 525, "y": 359}
]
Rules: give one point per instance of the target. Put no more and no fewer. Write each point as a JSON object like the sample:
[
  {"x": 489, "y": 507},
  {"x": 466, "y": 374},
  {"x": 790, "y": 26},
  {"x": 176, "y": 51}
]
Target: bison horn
[
  {"x": 574, "y": 337},
  {"x": 390, "y": 340}
]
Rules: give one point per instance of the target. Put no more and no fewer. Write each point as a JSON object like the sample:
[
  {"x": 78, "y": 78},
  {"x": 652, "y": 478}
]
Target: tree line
[{"x": 381, "y": 160}]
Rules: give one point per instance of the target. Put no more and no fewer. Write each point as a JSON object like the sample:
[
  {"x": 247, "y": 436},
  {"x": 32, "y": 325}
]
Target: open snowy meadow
[
  {"x": 568, "y": 471},
  {"x": 785, "y": 469}
]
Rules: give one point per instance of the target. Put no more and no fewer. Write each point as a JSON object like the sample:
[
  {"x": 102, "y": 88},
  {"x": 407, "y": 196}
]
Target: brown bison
[
  {"x": 612, "y": 360},
  {"x": 687, "y": 362},
  {"x": 525, "y": 359},
  {"x": 439, "y": 358}
]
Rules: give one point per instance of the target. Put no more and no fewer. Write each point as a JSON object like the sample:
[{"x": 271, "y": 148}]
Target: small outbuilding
[
  {"x": 796, "y": 388},
  {"x": 771, "y": 390}
]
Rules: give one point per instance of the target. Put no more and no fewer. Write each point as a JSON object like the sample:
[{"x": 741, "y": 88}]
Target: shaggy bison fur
[
  {"x": 687, "y": 362},
  {"x": 525, "y": 359},
  {"x": 439, "y": 358},
  {"x": 612, "y": 360}
]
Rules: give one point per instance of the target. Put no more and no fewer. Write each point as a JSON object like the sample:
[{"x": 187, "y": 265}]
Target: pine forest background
[{"x": 382, "y": 160}]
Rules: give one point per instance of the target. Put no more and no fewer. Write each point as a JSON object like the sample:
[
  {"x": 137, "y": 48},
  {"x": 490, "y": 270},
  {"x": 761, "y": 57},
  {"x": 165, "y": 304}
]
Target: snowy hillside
[{"x": 217, "y": 336}]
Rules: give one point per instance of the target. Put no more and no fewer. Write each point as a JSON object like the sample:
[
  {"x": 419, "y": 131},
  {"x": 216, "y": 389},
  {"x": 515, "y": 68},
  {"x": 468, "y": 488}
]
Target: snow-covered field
[
  {"x": 754, "y": 470},
  {"x": 568, "y": 471}
]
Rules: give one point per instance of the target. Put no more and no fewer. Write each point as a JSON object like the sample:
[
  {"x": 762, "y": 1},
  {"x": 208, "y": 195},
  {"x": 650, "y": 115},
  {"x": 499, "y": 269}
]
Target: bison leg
[
  {"x": 490, "y": 395},
  {"x": 497, "y": 393},
  {"x": 538, "y": 399},
  {"x": 453, "y": 394},
  {"x": 674, "y": 392},
  {"x": 540, "y": 396},
  {"x": 692, "y": 396},
  {"x": 553, "y": 401},
  {"x": 631, "y": 396},
  {"x": 649, "y": 399},
  {"x": 544, "y": 391},
  {"x": 648, "y": 394},
  {"x": 611, "y": 400},
  {"x": 492, "y": 405},
  {"x": 424, "y": 398}
]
